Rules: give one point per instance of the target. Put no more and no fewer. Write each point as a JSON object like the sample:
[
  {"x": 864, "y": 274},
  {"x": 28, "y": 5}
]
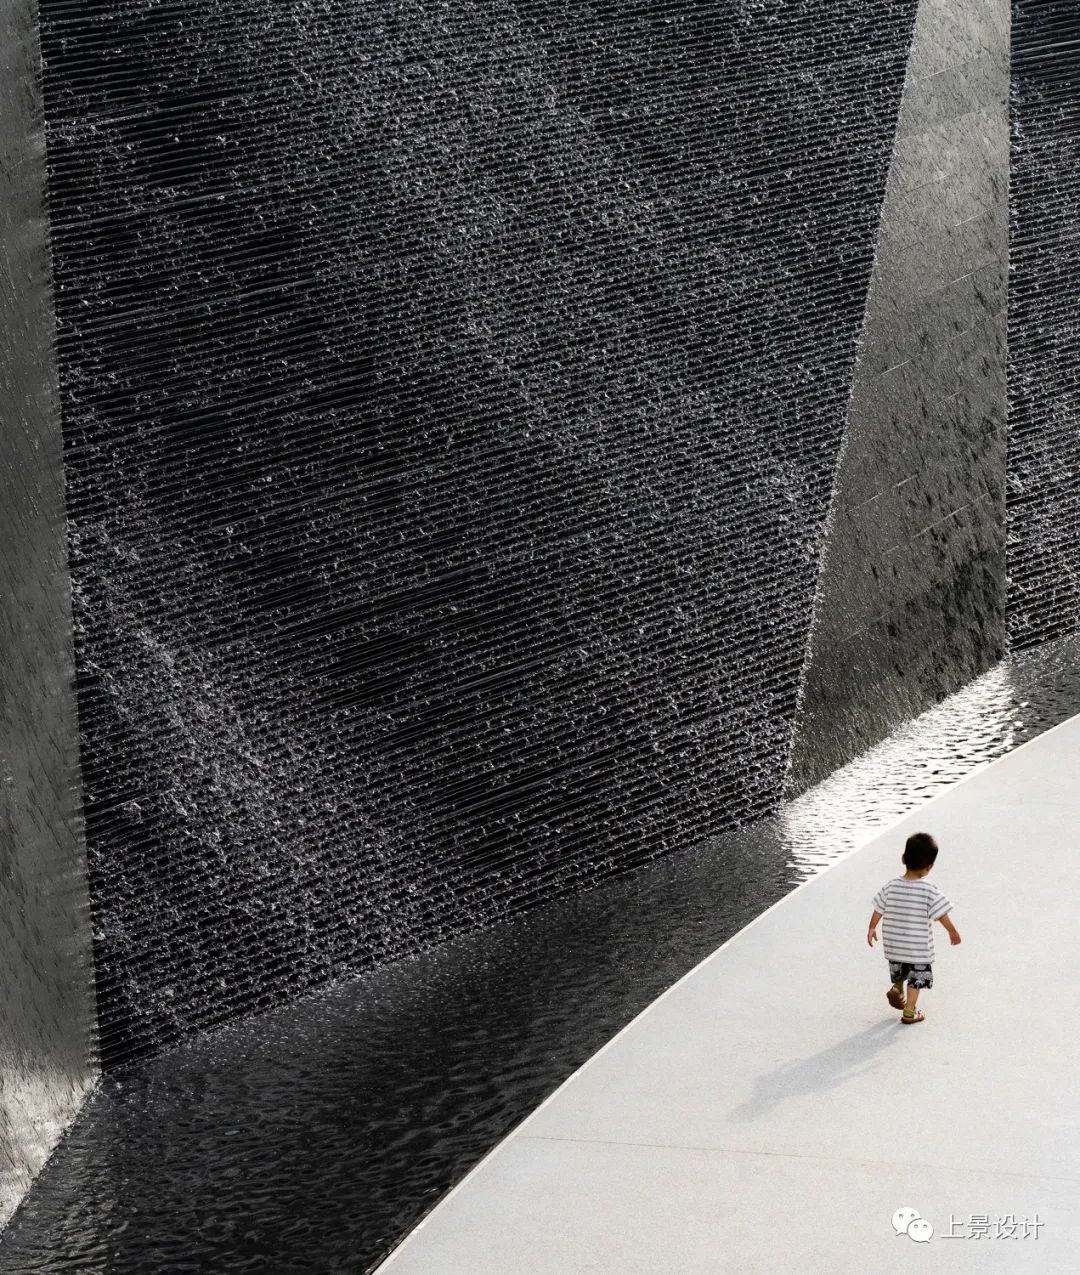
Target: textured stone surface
[
  {"x": 46, "y": 981},
  {"x": 1044, "y": 323},
  {"x": 452, "y": 395},
  {"x": 911, "y": 600}
]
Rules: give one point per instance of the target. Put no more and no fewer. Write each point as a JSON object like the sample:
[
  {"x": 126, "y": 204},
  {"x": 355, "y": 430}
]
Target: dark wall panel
[
  {"x": 46, "y": 979},
  {"x": 451, "y": 398},
  {"x": 911, "y": 599},
  {"x": 1044, "y": 323}
]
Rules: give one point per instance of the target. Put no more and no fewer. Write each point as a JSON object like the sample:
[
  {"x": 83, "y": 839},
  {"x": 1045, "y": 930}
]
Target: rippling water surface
[{"x": 312, "y": 1138}]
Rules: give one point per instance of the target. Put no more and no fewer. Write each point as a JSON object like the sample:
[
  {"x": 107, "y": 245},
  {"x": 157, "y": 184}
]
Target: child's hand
[
  {"x": 871, "y": 936},
  {"x": 954, "y": 937}
]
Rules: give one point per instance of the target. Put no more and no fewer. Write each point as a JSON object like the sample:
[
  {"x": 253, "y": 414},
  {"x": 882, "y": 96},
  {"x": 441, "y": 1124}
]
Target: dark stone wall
[
  {"x": 1044, "y": 323},
  {"x": 452, "y": 395},
  {"x": 911, "y": 599},
  {"x": 46, "y": 980}
]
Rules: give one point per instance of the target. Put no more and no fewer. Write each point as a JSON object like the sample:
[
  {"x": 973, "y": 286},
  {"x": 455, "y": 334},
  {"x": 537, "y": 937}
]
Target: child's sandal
[
  {"x": 895, "y": 997},
  {"x": 917, "y": 1017}
]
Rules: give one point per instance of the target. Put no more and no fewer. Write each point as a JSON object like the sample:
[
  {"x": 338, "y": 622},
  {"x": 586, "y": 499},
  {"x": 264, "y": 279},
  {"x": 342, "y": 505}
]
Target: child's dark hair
[{"x": 920, "y": 851}]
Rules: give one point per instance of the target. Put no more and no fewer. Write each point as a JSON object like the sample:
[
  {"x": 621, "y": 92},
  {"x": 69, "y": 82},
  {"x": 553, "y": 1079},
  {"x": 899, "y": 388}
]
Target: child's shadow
[{"x": 824, "y": 1070}]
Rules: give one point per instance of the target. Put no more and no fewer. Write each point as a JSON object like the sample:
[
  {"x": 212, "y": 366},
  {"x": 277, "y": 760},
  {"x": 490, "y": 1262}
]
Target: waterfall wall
[
  {"x": 1044, "y": 323},
  {"x": 452, "y": 396},
  {"x": 47, "y": 1058}
]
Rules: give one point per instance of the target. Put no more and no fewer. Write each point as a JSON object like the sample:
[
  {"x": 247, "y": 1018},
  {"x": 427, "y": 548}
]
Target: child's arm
[
  {"x": 951, "y": 930},
  {"x": 871, "y": 933}
]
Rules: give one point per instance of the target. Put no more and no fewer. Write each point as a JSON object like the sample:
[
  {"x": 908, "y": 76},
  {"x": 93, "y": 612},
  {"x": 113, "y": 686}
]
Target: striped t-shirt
[{"x": 909, "y": 905}]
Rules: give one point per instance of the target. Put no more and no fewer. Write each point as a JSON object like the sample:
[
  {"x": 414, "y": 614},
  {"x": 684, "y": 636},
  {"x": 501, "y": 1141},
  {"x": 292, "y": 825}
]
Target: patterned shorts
[{"x": 916, "y": 975}]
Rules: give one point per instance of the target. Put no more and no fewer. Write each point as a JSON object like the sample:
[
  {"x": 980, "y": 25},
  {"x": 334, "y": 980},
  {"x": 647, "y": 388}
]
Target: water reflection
[{"x": 313, "y": 1137}]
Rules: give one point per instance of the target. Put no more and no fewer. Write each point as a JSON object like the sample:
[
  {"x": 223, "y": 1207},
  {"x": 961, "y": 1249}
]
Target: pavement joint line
[{"x": 803, "y": 1155}]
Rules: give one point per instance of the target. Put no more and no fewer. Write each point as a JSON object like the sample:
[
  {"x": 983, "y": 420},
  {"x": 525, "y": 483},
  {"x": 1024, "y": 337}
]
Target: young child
[{"x": 910, "y": 904}]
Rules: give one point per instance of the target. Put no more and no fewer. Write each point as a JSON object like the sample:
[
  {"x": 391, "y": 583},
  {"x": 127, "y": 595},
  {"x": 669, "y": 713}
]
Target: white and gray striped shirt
[{"x": 909, "y": 905}]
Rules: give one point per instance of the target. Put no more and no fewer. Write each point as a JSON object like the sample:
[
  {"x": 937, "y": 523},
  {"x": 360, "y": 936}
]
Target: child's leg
[
  {"x": 895, "y": 994},
  {"x": 911, "y": 1014},
  {"x": 919, "y": 976}
]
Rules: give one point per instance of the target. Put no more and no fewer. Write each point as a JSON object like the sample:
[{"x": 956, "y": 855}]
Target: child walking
[{"x": 910, "y": 905}]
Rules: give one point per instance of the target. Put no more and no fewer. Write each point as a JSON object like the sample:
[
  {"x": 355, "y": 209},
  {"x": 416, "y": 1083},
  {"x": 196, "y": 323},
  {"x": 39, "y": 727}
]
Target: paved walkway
[{"x": 769, "y": 1113}]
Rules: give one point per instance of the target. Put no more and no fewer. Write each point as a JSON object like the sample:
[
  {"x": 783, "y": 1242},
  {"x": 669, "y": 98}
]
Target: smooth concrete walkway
[{"x": 770, "y": 1114}]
